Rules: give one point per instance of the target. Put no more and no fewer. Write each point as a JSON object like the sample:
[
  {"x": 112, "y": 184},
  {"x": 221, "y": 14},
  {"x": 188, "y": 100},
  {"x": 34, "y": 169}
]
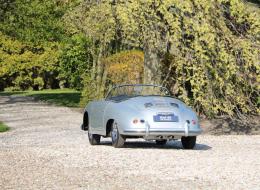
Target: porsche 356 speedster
[{"x": 140, "y": 111}]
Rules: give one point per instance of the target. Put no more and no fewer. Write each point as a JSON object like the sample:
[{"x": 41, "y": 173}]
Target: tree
[
  {"x": 75, "y": 61},
  {"x": 33, "y": 21},
  {"x": 95, "y": 20},
  {"x": 31, "y": 34},
  {"x": 22, "y": 67}
]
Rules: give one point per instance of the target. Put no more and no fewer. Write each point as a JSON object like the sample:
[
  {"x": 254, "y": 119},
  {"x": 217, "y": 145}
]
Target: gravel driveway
[{"x": 45, "y": 148}]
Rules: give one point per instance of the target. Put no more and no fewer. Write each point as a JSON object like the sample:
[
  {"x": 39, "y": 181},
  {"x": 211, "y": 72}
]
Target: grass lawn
[
  {"x": 3, "y": 127},
  {"x": 61, "y": 97}
]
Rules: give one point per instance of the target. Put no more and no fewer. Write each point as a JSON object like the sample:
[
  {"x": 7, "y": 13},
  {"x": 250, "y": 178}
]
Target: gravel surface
[{"x": 45, "y": 149}]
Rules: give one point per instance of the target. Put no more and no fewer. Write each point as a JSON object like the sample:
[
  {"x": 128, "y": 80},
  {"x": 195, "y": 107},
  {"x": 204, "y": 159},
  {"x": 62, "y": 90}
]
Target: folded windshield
[{"x": 128, "y": 91}]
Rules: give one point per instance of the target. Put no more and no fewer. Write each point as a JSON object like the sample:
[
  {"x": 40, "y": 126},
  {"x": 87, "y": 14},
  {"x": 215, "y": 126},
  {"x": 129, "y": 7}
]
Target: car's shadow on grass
[{"x": 152, "y": 145}]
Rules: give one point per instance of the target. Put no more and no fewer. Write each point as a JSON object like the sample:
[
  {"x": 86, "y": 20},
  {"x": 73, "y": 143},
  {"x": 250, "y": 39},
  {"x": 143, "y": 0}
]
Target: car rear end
[{"x": 163, "y": 118}]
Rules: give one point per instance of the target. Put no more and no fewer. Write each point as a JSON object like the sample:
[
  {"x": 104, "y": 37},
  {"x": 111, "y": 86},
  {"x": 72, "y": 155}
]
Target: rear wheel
[
  {"x": 161, "y": 142},
  {"x": 118, "y": 140},
  {"x": 94, "y": 139},
  {"x": 188, "y": 142}
]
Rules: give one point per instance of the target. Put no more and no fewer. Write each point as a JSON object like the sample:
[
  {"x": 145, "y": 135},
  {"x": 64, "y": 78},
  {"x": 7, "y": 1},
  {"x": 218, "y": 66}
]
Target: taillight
[
  {"x": 135, "y": 121},
  {"x": 193, "y": 122}
]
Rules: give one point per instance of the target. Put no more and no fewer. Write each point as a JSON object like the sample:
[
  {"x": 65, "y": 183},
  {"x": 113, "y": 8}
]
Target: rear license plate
[{"x": 165, "y": 118}]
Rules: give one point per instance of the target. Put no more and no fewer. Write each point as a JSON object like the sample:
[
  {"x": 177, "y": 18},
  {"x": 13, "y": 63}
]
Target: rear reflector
[{"x": 193, "y": 122}]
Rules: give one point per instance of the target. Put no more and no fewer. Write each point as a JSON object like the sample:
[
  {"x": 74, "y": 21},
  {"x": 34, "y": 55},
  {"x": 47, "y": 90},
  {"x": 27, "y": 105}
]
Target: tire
[
  {"x": 161, "y": 142},
  {"x": 118, "y": 140},
  {"x": 84, "y": 125},
  {"x": 94, "y": 139},
  {"x": 188, "y": 142}
]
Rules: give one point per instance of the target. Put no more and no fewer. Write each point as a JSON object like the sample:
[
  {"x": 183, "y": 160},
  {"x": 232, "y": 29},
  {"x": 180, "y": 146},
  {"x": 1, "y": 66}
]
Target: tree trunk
[
  {"x": 99, "y": 71},
  {"x": 103, "y": 83},
  {"x": 152, "y": 70}
]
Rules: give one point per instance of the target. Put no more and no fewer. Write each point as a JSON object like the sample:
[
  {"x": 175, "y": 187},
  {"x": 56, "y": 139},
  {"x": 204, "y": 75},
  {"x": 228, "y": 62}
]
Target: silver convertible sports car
[{"x": 140, "y": 111}]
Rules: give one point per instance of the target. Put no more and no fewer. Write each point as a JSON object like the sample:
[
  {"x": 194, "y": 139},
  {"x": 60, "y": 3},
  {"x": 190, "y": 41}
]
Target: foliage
[
  {"x": 32, "y": 21},
  {"x": 3, "y": 127},
  {"x": 75, "y": 60},
  {"x": 216, "y": 66},
  {"x": 23, "y": 67},
  {"x": 89, "y": 93},
  {"x": 38, "y": 83},
  {"x": 96, "y": 21},
  {"x": 30, "y": 39},
  {"x": 125, "y": 67},
  {"x": 206, "y": 52}
]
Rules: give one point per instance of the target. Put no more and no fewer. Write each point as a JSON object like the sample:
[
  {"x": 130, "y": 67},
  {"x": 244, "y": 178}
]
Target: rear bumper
[{"x": 147, "y": 131}]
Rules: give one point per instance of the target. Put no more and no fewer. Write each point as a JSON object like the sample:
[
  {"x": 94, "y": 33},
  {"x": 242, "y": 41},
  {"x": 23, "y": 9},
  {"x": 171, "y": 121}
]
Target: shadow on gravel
[
  {"x": 61, "y": 99},
  {"x": 151, "y": 145},
  {"x": 228, "y": 126},
  {"x": 68, "y": 99},
  {"x": 10, "y": 93},
  {"x": 13, "y": 100}
]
